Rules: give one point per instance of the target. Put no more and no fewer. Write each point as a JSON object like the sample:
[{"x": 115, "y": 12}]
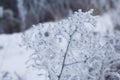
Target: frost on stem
[{"x": 69, "y": 49}]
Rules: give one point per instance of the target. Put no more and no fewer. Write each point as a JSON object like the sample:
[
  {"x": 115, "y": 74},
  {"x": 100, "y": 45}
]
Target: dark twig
[{"x": 64, "y": 58}]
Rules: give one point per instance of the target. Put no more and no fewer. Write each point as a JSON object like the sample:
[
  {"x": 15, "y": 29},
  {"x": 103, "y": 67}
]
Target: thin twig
[{"x": 64, "y": 58}]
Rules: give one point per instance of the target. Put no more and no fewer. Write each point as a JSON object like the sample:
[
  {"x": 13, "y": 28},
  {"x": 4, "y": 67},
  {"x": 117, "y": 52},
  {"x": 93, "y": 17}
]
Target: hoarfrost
[{"x": 71, "y": 50}]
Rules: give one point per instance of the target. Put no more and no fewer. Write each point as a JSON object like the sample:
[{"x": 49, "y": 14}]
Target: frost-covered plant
[{"x": 71, "y": 50}]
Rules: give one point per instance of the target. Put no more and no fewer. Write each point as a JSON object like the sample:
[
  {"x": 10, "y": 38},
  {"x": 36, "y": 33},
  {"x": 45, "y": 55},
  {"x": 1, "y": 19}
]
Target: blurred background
[{"x": 19, "y": 15}]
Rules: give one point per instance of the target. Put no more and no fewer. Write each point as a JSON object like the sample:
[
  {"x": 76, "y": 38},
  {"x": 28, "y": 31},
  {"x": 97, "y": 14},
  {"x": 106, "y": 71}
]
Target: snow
[{"x": 13, "y": 57}]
